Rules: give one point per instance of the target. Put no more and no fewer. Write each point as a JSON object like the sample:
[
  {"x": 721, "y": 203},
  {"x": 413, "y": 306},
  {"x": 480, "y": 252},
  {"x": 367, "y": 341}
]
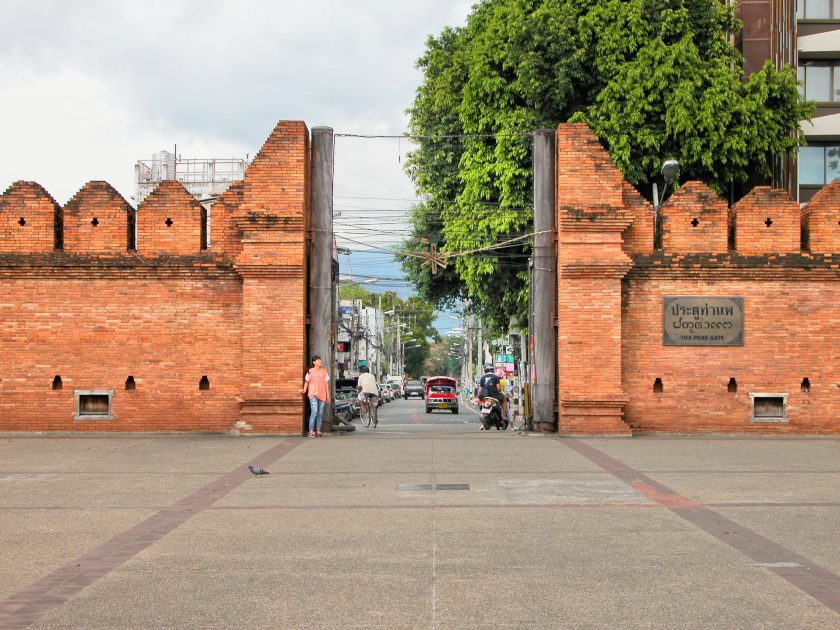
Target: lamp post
[{"x": 670, "y": 170}]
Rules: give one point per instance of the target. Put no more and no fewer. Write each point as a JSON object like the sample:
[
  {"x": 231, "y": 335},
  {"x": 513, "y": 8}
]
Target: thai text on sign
[{"x": 702, "y": 321}]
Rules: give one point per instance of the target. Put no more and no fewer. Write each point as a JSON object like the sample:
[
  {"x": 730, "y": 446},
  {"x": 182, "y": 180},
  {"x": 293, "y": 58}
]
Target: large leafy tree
[{"x": 654, "y": 79}]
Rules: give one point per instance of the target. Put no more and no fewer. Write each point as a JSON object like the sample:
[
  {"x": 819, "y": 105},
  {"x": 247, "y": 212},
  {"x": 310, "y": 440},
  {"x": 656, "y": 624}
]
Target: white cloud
[{"x": 91, "y": 87}]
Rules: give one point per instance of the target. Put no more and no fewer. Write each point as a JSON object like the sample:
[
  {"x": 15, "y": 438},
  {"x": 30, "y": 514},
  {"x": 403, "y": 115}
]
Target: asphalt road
[{"x": 409, "y": 416}]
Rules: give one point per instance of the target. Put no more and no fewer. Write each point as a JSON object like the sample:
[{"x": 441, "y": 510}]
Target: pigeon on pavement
[{"x": 258, "y": 471}]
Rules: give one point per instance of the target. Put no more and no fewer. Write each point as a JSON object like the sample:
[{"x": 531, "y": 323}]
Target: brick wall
[
  {"x": 609, "y": 364},
  {"x": 694, "y": 219},
  {"x": 766, "y": 221},
  {"x": 821, "y": 220},
  {"x": 213, "y": 339},
  {"x": 96, "y": 221},
  {"x": 29, "y": 218}
]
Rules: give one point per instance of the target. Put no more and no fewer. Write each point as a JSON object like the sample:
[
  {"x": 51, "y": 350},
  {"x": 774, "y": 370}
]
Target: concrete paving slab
[
  {"x": 744, "y": 454},
  {"x": 588, "y": 568},
  {"x": 756, "y": 487},
  {"x": 813, "y": 532},
  {"x": 51, "y": 490},
  {"x": 35, "y": 541},
  {"x": 126, "y": 454},
  {"x": 282, "y": 569},
  {"x": 547, "y": 536}
]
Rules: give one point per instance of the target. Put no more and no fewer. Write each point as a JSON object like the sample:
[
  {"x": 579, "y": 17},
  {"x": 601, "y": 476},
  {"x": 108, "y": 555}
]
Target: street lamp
[{"x": 670, "y": 170}]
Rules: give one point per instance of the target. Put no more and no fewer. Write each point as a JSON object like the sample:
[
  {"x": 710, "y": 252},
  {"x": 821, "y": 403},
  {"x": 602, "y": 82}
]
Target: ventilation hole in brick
[
  {"x": 657, "y": 386},
  {"x": 768, "y": 222},
  {"x": 733, "y": 386},
  {"x": 56, "y": 382},
  {"x": 806, "y": 385},
  {"x": 22, "y": 221},
  {"x": 95, "y": 222},
  {"x": 204, "y": 384},
  {"x": 695, "y": 222},
  {"x": 130, "y": 385},
  {"x": 168, "y": 222}
]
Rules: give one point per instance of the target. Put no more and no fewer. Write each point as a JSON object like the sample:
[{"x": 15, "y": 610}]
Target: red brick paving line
[
  {"x": 33, "y": 602},
  {"x": 812, "y": 579}
]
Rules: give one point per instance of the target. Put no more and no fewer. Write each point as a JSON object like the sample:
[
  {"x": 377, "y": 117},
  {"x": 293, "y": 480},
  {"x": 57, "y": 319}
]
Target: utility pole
[
  {"x": 544, "y": 285},
  {"x": 479, "y": 349},
  {"x": 322, "y": 318}
]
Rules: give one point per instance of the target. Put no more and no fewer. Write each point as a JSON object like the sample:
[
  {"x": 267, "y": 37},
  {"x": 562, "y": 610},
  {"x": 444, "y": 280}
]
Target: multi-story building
[{"x": 804, "y": 34}]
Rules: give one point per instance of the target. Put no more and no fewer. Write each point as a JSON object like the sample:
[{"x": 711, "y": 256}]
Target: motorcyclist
[{"x": 488, "y": 385}]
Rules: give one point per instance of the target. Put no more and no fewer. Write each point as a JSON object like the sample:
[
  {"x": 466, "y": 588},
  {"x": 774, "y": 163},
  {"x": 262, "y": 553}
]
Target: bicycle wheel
[{"x": 366, "y": 415}]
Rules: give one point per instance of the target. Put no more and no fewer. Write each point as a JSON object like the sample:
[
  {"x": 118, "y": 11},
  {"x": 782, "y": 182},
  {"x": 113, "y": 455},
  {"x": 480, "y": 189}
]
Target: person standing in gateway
[{"x": 316, "y": 384}]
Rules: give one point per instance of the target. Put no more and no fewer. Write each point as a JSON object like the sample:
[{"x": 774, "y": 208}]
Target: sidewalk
[{"x": 454, "y": 529}]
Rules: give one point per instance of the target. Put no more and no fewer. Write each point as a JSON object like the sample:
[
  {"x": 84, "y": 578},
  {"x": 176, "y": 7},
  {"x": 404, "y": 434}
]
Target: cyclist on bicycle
[{"x": 368, "y": 388}]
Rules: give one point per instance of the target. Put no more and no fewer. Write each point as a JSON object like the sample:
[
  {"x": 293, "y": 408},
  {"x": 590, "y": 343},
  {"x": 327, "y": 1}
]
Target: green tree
[{"x": 654, "y": 79}]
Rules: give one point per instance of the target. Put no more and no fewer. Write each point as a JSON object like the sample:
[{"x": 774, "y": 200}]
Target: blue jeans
[{"x": 316, "y": 413}]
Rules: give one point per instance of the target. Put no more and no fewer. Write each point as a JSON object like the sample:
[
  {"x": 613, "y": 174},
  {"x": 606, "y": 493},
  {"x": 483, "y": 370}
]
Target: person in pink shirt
[{"x": 316, "y": 384}]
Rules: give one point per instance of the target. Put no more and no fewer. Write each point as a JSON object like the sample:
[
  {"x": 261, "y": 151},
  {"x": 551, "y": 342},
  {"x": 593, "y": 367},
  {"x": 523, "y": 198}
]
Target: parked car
[
  {"x": 385, "y": 394},
  {"x": 441, "y": 393},
  {"x": 396, "y": 390},
  {"x": 414, "y": 388}
]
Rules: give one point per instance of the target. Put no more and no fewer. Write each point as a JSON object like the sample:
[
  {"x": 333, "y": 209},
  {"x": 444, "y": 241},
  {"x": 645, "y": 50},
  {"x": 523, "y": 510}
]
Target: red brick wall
[
  {"x": 94, "y": 328},
  {"x": 638, "y": 237},
  {"x": 224, "y": 236},
  {"x": 166, "y": 315},
  {"x": 790, "y": 333},
  {"x": 608, "y": 364},
  {"x": 766, "y": 221},
  {"x": 169, "y": 221},
  {"x": 821, "y": 220},
  {"x": 27, "y": 219},
  {"x": 96, "y": 220},
  {"x": 694, "y": 219}
]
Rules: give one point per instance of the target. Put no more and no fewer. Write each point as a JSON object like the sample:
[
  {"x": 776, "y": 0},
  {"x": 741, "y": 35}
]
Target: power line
[{"x": 446, "y": 136}]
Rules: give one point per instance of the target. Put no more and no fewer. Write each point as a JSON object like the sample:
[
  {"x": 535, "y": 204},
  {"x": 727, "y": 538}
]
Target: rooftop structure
[{"x": 205, "y": 179}]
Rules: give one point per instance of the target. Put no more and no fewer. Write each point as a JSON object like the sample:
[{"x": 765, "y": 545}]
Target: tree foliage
[{"x": 655, "y": 79}]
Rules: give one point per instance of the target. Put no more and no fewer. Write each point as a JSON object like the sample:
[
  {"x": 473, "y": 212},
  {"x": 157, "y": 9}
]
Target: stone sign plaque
[{"x": 702, "y": 321}]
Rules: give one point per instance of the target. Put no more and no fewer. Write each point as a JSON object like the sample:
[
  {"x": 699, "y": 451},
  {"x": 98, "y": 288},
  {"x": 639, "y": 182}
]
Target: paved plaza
[{"x": 423, "y": 526}]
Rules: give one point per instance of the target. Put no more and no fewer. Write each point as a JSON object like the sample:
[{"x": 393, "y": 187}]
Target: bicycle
[{"x": 368, "y": 410}]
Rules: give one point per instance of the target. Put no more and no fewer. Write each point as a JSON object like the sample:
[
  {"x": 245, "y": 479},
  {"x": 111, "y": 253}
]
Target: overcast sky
[{"x": 91, "y": 86}]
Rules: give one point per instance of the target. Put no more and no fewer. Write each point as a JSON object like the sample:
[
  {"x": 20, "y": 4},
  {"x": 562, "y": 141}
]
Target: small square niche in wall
[
  {"x": 769, "y": 407},
  {"x": 93, "y": 404}
]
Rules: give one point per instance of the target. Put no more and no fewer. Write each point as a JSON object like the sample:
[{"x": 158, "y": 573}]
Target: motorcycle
[{"x": 491, "y": 414}]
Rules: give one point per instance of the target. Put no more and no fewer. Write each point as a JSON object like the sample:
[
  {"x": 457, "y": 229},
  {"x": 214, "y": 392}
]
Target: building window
[
  {"x": 817, "y": 9},
  {"x": 819, "y": 80},
  {"x": 93, "y": 404},
  {"x": 819, "y": 164}
]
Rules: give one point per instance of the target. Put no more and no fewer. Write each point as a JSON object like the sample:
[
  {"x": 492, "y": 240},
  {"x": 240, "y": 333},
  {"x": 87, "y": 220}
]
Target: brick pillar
[
  {"x": 272, "y": 220},
  {"x": 590, "y": 265}
]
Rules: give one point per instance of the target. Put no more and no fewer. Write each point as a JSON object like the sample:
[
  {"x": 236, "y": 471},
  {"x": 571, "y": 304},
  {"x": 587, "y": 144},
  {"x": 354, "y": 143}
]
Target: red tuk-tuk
[{"x": 441, "y": 393}]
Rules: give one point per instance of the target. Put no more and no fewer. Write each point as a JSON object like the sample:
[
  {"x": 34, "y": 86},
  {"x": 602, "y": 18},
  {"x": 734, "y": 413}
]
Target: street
[{"x": 402, "y": 417}]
